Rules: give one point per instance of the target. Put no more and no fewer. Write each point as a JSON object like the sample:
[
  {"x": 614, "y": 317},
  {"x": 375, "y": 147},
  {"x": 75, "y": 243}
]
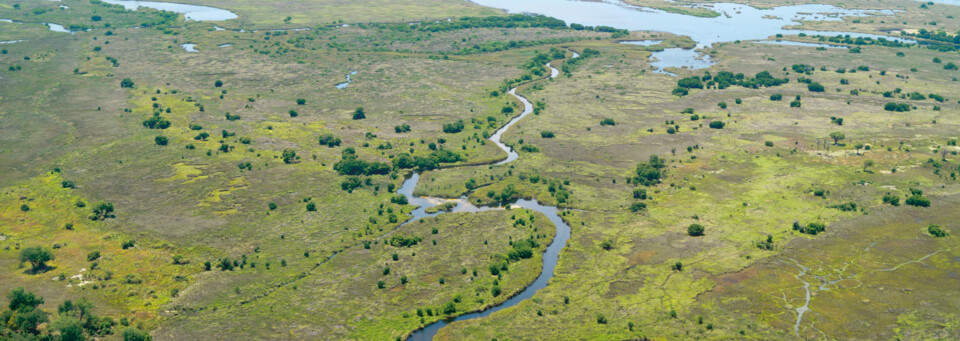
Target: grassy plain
[{"x": 64, "y": 108}]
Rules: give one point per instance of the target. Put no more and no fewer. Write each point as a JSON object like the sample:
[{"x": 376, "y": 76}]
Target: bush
[
  {"x": 329, "y": 140},
  {"x": 637, "y": 207},
  {"x": 936, "y": 231},
  {"x": 161, "y": 140},
  {"x": 678, "y": 91},
  {"x": 891, "y": 199},
  {"x": 311, "y": 207},
  {"x": 695, "y": 230},
  {"x": 690, "y": 83},
  {"x": 815, "y": 87},
  {"x": 359, "y": 114},
  {"x": 126, "y": 83},
  {"x": 918, "y": 200},
  {"x": 776, "y": 97},
  {"x": 898, "y": 107},
  {"x": 811, "y": 228},
  {"x": 717, "y": 124},
  {"x": 92, "y": 256},
  {"x": 608, "y": 122},
  {"x": 546, "y": 134},
  {"x": 453, "y": 128}
]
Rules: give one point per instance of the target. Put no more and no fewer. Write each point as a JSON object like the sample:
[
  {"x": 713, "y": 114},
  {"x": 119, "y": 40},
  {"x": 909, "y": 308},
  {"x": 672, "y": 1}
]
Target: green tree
[
  {"x": 126, "y": 83},
  {"x": 936, "y": 231},
  {"x": 102, "y": 210},
  {"x": 695, "y": 230},
  {"x": 21, "y": 300},
  {"x": 837, "y": 136},
  {"x": 358, "y": 114},
  {"x": 134, "y": 334},
  {"x": 38, "y": 257},
  {"x": 289, "y": 155}
]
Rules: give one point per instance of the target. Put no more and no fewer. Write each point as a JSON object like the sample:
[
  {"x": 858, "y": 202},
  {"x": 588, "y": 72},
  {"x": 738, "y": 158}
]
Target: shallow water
[
  {"x": 191, "y": 12},
  {"x": 736, "y": 22},
  {"x": 190, "y": 47},
  {"x": 678, "y": 57},
  {"x": 796, "y": 43},
  {"x": 642, "y": 42},
  {"x": 344, "y": 84}
]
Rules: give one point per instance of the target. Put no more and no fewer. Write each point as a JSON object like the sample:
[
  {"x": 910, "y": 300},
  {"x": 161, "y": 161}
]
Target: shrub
[
  {"x": 918, "y": 200},
  {"x": 690, "y": 83},
  {"x": 815, "y": 87},
  {"x": 546, "y": 134},
  {"x": 695, "y": 230},
  {"x": 311, "y": 207},
  {"x": 717, "y": 124},
  {"x": 453, "y": 128},
  {"x": 637, "y": 207},
  {"x": 608, "y": 122},
  {"x": 359, "y": 114},
  {"x": 936, "y": 231},
  {"x": 329, "y": 140},
  {"x": 678, "y": 91},
  {"x": 92, "y": 256},
  {"x": 811, "y": 228},
  {"x": 891, "y": 199},
  {"x": 776, "y": 97},
  {"x": 161, "y": 140},
  {"x": 126, "y": 83}
]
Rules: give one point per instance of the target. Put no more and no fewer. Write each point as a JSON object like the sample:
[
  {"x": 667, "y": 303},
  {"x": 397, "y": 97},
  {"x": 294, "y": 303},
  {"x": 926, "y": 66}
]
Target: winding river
[{"x": 550, "y": 256}]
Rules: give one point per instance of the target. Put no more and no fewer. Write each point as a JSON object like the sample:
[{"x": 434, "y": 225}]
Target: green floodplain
[{"x": 172, "y": 179}]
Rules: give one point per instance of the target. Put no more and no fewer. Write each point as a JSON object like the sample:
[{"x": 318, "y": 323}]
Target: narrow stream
[
  {"x": 344, "y": 84},
  {"x": 550, "y": 256}
]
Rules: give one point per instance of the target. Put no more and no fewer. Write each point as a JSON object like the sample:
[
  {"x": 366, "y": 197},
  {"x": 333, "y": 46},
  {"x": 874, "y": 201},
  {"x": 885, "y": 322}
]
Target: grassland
[{"x": 231, "y": 198}]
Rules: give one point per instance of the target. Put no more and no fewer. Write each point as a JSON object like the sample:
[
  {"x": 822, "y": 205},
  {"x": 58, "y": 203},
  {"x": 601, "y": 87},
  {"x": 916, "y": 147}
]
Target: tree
[
  {"x": 358, "y": 114},
  {"x": 289, "y": 155},
  {"x": 301, "y": 101},
  {"x": 717, "y": 124},
  {"x": 606, "y": 244},
  {"x": 936, "y": 231},
  {"x": 815, "y": 87},
  {"x": 21, "y": 299},
  {"x": 102, "y": 210},
  {"x": 311, "y": 207},
  {"x": 218, "y": 83},
  {"x": 161, "y": 140},
  {"x": 918, "y": 200},
  {"x": 695, "y": 230},
  {"x": 37, "y": 256},
  {"x": 867, "y": 164},
  {"x": 70, "y": 328},
  {"x": 837, "y": 136},
  {"x": 134, "y": 334},
  {"x": 126, "y": 83}
]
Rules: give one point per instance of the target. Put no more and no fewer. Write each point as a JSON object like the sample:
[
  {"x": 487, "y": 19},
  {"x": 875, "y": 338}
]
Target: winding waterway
[{"x": 550, "y": 256}]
